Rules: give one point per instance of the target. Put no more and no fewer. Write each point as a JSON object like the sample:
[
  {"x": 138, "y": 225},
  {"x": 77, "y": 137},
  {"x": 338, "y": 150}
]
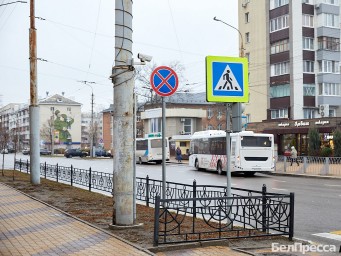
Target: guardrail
[
  {"x": 312, "y": 165},
  {"x": 247, "y": 213}
]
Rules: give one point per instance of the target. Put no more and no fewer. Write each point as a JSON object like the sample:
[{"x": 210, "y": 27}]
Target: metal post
[
  {"x": 57, "y": 173},
  {"x": 163, "y": 149},
  {"x": 156, "y": 221},
  {"x": 123, "y": 115},
  {"x": 71, "y": 175},
  {"x": 45, "y": 170},
  {"x": 92, "y": 126},
  {"x": 194, "y": 201},
  {"x": 228, "y": 150},
  {"x": 90, "y": 179},
  {"x": 264, "y": 224},
  {"x": 147, "y": 190},
  {"x": 292, "y": 213},
  {"x": 52, "y": 133},
  {"x": 34, "y": 107},
  {"x": 27, "y": 165}
]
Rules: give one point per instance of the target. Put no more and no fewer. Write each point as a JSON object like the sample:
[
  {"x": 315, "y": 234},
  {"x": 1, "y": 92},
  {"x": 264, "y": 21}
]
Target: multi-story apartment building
[
  {"x": 97, "y": 129},
  {"x": 293, "y": 49},
  {"x": 59, "y": 117}
]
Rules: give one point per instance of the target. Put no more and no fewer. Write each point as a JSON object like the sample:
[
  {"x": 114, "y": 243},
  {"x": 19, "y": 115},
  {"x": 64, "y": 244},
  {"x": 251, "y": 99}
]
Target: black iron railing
[
  {"x": 222, "y": 218},
  {"x": 256, "y": 213}
]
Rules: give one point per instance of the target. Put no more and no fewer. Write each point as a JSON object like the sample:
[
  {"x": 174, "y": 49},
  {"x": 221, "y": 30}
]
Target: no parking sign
[{"x": 164, "y": 81}]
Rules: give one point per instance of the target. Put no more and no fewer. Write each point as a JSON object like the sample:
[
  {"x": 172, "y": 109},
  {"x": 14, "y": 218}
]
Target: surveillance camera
[{"x": 144, "y": 57}]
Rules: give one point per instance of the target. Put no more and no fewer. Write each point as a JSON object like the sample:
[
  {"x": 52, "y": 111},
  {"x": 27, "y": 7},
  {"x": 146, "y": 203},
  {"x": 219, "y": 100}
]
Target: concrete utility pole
[
  {"x": 34, "y": 107},
  {"x": 123, "y": 133},
  {"x": 52, "y": 133}
]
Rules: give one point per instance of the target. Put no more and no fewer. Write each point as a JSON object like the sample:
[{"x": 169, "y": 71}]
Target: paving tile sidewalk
[{"x": 29, "y": 227}]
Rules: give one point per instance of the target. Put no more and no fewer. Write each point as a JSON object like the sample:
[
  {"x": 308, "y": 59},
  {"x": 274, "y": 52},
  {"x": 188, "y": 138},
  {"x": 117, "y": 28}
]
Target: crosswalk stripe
[{"x": 329, "y": 236}]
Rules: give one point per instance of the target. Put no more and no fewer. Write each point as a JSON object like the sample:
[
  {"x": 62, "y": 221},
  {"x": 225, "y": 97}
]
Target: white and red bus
[{"x": 250, "y": 152}]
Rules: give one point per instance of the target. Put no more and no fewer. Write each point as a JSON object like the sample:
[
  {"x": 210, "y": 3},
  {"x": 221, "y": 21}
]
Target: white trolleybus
[
  {"x": 149, "y": 149},
  {"x": 250, "y": 152}
]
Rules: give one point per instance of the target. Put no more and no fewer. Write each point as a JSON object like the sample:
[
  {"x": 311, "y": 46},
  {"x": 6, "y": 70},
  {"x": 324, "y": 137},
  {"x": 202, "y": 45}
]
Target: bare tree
[
  {"x": 4, "y": 138},
  {"x": 46, "y": 132}
]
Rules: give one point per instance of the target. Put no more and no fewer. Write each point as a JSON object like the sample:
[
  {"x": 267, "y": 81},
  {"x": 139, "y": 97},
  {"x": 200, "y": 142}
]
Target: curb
[{"x": 304, "y": 175}]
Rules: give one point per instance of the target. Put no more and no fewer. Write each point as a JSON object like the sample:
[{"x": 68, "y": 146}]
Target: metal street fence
[
  {"x": 204, "y": 208},
  {"x": 311, "y": 165}
]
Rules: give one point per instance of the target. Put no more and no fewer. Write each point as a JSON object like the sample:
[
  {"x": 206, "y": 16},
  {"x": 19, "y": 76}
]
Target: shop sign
[
  {"x": 319, "y": 122},
  {"x": 283, "y": 124},
  {"x": 301, "y": 123}
]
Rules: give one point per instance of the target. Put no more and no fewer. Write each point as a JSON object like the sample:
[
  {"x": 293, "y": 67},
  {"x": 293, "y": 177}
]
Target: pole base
[{"x": 120, "y": 227}]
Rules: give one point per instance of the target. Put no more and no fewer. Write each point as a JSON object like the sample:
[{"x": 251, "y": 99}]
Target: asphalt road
[{"x": 317, "y": 200}]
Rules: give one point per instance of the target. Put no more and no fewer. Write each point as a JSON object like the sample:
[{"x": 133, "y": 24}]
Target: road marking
[
  {"x": 329, "y": 236},
  {"x": 283, "y": 189},
  {"x": 280, "y": 180},
  {"x": 331, "y": 185},
  {"x": 337, "y": 232}
]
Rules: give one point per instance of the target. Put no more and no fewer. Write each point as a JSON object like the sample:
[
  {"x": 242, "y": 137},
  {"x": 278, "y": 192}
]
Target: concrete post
[
  {"x": 123, "y": 133},
  {"x": 34, "y": 107}
]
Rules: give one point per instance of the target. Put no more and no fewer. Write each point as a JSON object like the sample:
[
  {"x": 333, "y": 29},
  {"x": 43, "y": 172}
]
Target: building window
[
  {"x": 307, "y": 20},
  {"x": 308, "y": 66},
  {"x": 328, "y": 20},
  {"x": 279, "y": 113},
  {"x": 333, "y": 2},
  {"x": 308, "y": 43},
  {"x": 68, "y": 109},
  {"x": 279, "y": 23},
  {"x": 332, "y": 113},
  {"x": 247, "y": 17},
  {"x": 219, "y": 127},
  {"x": 247, "y": 37},
  {"x": 308, "y": 113},
  {"x": 280, "y": 69},
  {"x": 280, "y": 46},
  {"x": 329, "y": 89},
  {"x": 247, "y": 55},
  {"x": 278, "y": 91},
  {"x": 138, "y": 132},
  {"x": 328, "y": 66},
  {"x": 155, "y": 125},
  {"x": 308, "y": 89},
  {"x": 52, "y": 109},
  {"x": 277, "y": 3},
  {"x": 210, "y": 127},
  {"x": 138, "y": 117},
  {"x": 188, "y": 126},
  {"x": 209, "y": 113},
  {"x": 328, "y": 43}
]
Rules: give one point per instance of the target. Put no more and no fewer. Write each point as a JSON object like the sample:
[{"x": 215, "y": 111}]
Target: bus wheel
[
  {"x": 249, "y": 174},
  {"x": 219, "y": 168},
  {"x": 140, "y": 160},
  {"x": 196, "y": 164}
]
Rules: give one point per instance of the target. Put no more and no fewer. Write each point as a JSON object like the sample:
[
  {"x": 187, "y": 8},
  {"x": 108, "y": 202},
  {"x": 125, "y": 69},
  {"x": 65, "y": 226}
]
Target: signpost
[
  {"x": 164, "y": 82},
  {"x": 227, "y": 81}
]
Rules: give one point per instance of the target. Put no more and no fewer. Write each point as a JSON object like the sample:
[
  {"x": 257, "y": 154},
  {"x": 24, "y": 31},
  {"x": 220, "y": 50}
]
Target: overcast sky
[{"x": 76, "y": 41}]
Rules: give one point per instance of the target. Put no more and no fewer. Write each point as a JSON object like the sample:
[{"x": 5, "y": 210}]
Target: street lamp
[
  {"x": 241, "y": 49},
  {"x": 92, "y": 117}
]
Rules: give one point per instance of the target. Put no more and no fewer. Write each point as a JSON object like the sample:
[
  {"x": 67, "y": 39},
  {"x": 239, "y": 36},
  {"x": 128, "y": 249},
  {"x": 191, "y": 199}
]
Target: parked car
[
  {"x": 75, "y": 152},
  {"x": 11, "y": 150},
  {"x": 4, "y": 151},
  {"x": 26, "y": 151},
  {"x": 103, "y": 152},
  {"x": 44, "y": 151}
]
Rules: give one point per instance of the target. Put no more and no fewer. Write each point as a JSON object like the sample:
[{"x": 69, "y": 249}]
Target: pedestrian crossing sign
[{"x": 226, "y": 79}]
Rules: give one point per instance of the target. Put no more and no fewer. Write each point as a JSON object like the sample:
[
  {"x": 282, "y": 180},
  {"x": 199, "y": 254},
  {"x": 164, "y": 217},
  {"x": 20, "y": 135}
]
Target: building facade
[
  {"x": 293, "y": 49},
  {"x": 59, "y": 117}
]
